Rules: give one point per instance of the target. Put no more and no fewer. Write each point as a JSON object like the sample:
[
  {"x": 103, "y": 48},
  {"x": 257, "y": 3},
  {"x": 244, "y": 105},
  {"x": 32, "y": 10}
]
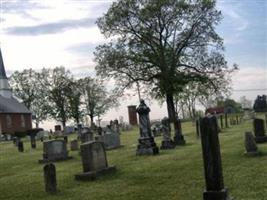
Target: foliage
[{"x": 164, "y": 45}]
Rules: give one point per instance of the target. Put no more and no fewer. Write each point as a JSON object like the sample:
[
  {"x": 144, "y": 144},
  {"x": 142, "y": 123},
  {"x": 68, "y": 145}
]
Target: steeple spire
[
  {"x": 2, "y": 67},
  {"x": 5, "y": 89}
]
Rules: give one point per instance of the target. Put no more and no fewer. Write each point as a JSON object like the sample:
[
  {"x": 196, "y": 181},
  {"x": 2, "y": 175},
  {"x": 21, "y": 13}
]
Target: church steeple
[
  {"x": 5, "y": 89},
  {"x": 2, "y": 67}
]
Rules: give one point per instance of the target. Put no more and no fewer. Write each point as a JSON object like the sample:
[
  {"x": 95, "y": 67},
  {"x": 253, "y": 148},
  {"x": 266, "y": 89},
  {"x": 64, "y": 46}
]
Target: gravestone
[
  {"x": 50, "y": 179},
  {"x": 54, "y": 150},
  {"x": 178, "y": 137},
  {"x": 20, "y": 146},
  {"x": 94, "y": 161},
  {"x": 111, "y": 140},
  {"x": 86, "y": 135},
  {"x": 167, "y": 143},
  {"x": 226, "y": 120},
  {"x": 74, "y": 145},
  {"x": 250, "y": 145},
  {"x": 146, "y": 144},
  {"x": 259, "y": 131},
  {"x": 33, "y": 142},
  {"x": 116, "y": 126},
  {"x": 215, "y": 189},
  {"x": 197, "y": 128},
  {"x": 65, "y": 138}
]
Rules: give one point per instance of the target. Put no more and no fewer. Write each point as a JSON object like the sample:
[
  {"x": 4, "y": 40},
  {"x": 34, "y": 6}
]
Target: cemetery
[{"x": 133, "y": 99}]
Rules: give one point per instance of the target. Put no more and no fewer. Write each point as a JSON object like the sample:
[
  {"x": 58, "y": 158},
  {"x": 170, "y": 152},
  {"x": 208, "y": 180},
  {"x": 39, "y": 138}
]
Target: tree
[
  {"x": 162, "y": 44},
  {"x": 26, "y": 85},
  {"x": 245, "y": 103},
  {"x": 96, "y": 98},
  {"x": 56, "y": 82}
]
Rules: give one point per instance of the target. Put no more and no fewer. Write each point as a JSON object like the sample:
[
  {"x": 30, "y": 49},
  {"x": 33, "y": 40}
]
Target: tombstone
[
  {"x": 20, "y": 146},
  {"x": 221, "y": 120},
  {"x": 65, "y": 138},
  {"x": 226, "y": 120},
  {"x": 146, "y": 143},
  {"x": 99, "y": 130},
  {"x": 259, "y": 131},
  {"x": 111, "y": 140},
  {"x": 166, "y": 143},
  {"x": 94, "y": 161},
  {"x": 74, "y": 145},
  {"x": 54, "y": 150},
  {"x": 33, "y": 142},
  {"x": 260, "y": 104},
  {"x": 197, "y": 128},
  {"x": 215, "y": 189},
  {"x": 116, "y": 126},
  {"x": 178, "y": 138},
  {"x": 250, "y": 145},
  {"x": 50, "y": 179},
  {"x": 86, "y": 135}
]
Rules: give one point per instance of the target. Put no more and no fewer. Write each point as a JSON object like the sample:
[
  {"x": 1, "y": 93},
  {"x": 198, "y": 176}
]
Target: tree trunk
[
  {"x": 171, "y": 109},
  {"x": 92, "y": 119},
  {"x": 63, "y": 124},
  {"x": 37, "y": 124}
]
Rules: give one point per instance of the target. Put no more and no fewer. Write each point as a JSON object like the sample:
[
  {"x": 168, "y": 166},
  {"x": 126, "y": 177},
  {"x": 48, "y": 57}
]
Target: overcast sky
[{"x": 48, "y": 33}]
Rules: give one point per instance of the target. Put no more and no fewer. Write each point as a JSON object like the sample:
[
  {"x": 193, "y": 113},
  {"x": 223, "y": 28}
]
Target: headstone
[
  {"x": 146, "y": 143},
  {"x": 20, "y": 146},
  {"x": 197, "y": 128},
  {"x": 259, "y": 131},
  {"x": 178, "y": 137},
  {"x": 226, "y": 120},
  {"x": 54, "y": 150},
  {"x": 86, "y": 135},
  {"x": 94, "y": 161},
  {"x": 260, "y": 104},
  {"x": 33, "y": 142},
  {"x": 50, "y": 179},
  {"x": 116, "y": 126},
  {"x": 74, "y": 145},
  {"x": 221, "y": 120},
  {"x": 250, "y": 145},
  {"x": 65, "y": 138},
  {"x": 166, "y": 143},
  {"x": 111, "y": 140},
  {"x": 215, "y": 189}
]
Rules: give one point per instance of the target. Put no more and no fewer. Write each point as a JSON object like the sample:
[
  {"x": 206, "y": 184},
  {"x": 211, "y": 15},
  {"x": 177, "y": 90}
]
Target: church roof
[
  {"x": 2, "y": 67},
  {"x": 12, "y": 105}
]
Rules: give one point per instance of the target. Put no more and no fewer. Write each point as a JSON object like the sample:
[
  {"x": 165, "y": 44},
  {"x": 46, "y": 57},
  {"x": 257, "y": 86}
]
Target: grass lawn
[{"x": 172, "y": 175}]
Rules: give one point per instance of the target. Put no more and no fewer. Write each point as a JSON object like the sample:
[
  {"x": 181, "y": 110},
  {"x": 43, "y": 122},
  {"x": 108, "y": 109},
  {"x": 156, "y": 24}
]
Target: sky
[{"x": 49, "y": 33}]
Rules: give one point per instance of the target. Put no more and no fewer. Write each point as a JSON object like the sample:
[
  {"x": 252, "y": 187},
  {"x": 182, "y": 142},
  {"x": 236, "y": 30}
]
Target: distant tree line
[{"x": 56, "y": 94}]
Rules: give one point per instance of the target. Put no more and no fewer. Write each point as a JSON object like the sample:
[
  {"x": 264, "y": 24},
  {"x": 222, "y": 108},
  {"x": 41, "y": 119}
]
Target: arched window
[
  {"x": 8, "y": 121},
  {"x": 22, "y": 119}
]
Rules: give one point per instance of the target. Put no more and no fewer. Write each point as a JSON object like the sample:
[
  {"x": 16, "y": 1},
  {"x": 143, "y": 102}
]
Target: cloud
[
  {"x": 51, "y": 28},
  {"x": 85, "y": 48}
]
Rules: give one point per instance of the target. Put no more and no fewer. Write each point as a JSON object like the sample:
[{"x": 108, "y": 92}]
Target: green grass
[{"x": 172, "y": 175}]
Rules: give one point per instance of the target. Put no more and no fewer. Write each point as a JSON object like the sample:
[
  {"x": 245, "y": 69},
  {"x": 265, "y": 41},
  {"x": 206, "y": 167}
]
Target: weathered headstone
[
  {"x": 94, "y": 161},
  {"x": 116, "y": 126},
  {"x": 226, "y": 120},
  {"x": 250, "y": 145},
  {"x": 86, "y": 135},
  {"x": 111, "y": 140},
  {"x": 146, "y": 143},
  {"x": 215, "y": 189},
  {"x": 166, "y": 143},
  {"x": 20, "y": 146},
  {"x": 178, "y": 137},
  {"x": 54, "y": 150},
  {"x": 74, "y": 145},
  {"x": 50, "y": 179},
  {"x": 259, "y": 131},
  {"x": 33, "y": 142}
]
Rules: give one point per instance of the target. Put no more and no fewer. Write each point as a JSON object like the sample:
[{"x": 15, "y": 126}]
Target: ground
[{"x": 172, "y": 175}]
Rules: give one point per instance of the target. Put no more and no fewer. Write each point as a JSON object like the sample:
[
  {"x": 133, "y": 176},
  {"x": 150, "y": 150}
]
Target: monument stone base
[
  {"x": 252, "y": 153},
  {"x": 92, "y": 175},
  {"x": 147, "y": 146},
  {"x": 179, "y": 140},
  {"x": 168, "y": 144},
  {"x": 260, "y": 139},
  {"x": 218, "y": 195}
]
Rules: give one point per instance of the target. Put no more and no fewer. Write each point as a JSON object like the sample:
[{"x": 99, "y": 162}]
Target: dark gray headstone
[
  {"x": 94, "y": 161},
  {"x": 50, "y": 178},
  {"x": 54, "y": 150},
  {"x": 215, "y": 189},
  {"x": 259, "y": 131},
  {"x": 20, "y": 146},
  {"x": 74, "y": 145},
  {"x": 146, "y": 143},
  {"x": 250, "y": 144},
  {"x": 166, "y": 143},
  {"x": 178, "y": 137}
]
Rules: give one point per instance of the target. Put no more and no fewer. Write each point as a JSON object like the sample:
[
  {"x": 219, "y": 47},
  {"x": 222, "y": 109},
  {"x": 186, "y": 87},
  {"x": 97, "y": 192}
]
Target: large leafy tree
[
  {"x": 96, "y": 98},
  {"x": 26, "y": 85},
  {"x": 164, "y": 44}
]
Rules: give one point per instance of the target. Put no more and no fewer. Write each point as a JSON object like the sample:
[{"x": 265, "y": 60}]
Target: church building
[{"x": 14, "y": 116}]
